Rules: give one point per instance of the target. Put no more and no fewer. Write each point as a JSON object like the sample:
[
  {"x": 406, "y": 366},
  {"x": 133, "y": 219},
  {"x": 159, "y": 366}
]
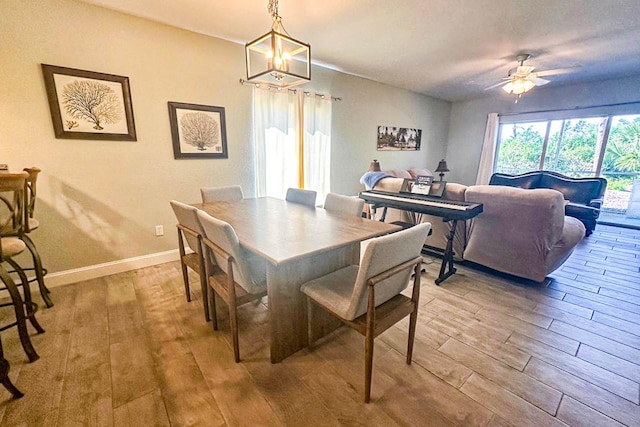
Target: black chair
[{"x": 12, "y": 219}]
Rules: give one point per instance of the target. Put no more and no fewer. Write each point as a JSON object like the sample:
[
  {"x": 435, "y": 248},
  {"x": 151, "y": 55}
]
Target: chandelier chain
[{"x": 273, "y": 9}]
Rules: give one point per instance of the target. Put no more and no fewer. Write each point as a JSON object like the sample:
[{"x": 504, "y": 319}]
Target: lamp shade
[
  {"x": 442, "y": 166},
  {"x": 374, "y": 166}
]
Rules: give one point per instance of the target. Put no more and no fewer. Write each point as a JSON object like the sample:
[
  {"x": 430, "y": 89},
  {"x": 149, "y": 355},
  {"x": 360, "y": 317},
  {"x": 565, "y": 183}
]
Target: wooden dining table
[{"x": 299, "y": 243}]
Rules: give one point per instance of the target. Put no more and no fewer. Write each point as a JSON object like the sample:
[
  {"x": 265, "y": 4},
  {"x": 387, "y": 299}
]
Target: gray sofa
[{"x": 521, "y": 232}]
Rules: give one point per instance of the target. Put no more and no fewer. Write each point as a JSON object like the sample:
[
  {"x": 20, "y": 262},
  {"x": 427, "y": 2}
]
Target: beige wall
[{"x": 99, "y": 201}]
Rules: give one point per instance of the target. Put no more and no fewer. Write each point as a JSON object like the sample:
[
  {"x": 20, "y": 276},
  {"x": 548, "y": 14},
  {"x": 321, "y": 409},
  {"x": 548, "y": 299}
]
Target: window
[
  {"x": 604, "y": 145},
  {"x": 292, "y": 131}
]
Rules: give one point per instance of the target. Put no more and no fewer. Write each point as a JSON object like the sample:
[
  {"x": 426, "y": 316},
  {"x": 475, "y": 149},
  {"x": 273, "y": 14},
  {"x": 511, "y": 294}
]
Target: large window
[
  {"x": 292, "y": 131},
  {"x": 603, "y": 145}
]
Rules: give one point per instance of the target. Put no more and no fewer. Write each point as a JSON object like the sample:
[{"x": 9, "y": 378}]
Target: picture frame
[
  {"x": 398, "y": 139},
  {"x": 198, "y": 131},
  {"x": 109, "y": 115}
]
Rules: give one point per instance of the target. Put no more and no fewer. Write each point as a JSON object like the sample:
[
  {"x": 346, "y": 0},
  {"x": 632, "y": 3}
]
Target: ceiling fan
[{"x": 522, "y": 78}]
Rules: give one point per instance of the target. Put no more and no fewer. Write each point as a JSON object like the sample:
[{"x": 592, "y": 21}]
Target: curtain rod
[
  {"x": 619, "y": 104},
  {"x": 243, "y": 82}
]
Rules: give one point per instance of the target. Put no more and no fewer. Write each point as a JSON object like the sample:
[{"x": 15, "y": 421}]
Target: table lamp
[
  {"x": 374, "y": 166},
  {"x": 442, "y": 168}
]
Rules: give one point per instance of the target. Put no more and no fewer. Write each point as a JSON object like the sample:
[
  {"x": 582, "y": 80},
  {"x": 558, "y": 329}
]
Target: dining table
[{"x": 299, "y": 243}]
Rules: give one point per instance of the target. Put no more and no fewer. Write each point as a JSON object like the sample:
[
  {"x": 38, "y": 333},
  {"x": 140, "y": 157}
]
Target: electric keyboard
[{"x": 447, "y": 209}]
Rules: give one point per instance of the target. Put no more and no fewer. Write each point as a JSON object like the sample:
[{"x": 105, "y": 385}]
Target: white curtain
[
  {"x": 276, "y": 129},
  {"x": 487, "y": 158},
  {"x": 278, "y": 118},
  {"x": 317, "y": 143}
]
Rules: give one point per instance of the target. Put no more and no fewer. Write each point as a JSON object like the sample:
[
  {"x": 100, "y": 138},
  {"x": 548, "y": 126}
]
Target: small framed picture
[
  {"x": 89, "y": 105},
  {"x": 437, "y": 188},
  {"x": 198, "y": 131}
]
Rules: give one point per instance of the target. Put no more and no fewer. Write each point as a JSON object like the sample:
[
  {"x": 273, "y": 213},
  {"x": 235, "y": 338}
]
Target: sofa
[
  {"x": 521, "y": 232},
  {"x": 583, "y": 196}
]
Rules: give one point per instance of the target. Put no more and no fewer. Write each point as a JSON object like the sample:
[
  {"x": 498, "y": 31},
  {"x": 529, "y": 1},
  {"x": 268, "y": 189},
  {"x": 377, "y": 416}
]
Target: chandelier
[{"x": 277, "y": 59}]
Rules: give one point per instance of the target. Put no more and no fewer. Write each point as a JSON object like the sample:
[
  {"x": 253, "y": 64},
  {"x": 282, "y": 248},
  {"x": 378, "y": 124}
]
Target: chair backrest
[
  {"x": 304, "y": 197},
  {"x": 231, "y": 193},
  {"x": 31, "y": 189},
  {"x": 248, "y": 271},
  {"x": 187, "y": 217},
  {"x": 381, "y": 254},
  {"x": 337, "y": 203},
  {"x": 12, "y": 203}
]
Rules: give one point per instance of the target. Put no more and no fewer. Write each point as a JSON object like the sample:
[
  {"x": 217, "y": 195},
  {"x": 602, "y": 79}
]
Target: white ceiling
[{"x": 449, "y": 49}]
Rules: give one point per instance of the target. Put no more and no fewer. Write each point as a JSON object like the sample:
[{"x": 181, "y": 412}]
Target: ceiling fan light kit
[
  {"x": 276, "y": 58},
  {"x": 522, "y": 78}
]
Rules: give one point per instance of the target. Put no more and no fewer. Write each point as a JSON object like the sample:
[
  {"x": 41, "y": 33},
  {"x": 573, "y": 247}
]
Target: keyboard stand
[
  {"x": 447, "y": 268},
  {"x": 447, "y": 257}
]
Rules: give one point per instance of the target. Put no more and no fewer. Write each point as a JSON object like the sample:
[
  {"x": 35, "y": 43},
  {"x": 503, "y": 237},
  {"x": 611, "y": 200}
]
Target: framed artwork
[
  {"x": 198, "y": 131},
  {"x": 398, "y": 139},
  {"x": 89, "y": 105}
]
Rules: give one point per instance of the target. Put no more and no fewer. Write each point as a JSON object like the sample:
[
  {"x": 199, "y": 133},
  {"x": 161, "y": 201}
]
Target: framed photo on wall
[
  {"x": 198, "y": 131},
  {"x": 89, "y": 105},
  {"x": 398, "y": 139}
]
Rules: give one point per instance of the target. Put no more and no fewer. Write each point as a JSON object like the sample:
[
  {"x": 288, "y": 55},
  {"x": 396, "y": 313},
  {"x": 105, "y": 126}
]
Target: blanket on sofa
[{"x": 370, "y": 179}]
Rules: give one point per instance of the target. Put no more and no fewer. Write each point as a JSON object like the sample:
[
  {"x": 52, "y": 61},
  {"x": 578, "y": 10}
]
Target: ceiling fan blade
[
  {"x": 538, "y": 81},
  {"x": 556, "y": 71},
  {"x": 495, "y": 85}
]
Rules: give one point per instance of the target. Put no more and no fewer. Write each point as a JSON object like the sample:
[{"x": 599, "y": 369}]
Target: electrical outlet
[{"x": 159, "y": 230}]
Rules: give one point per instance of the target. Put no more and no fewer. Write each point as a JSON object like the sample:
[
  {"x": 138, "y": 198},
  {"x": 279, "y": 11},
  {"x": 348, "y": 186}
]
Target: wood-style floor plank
[{"x": 490, "y": 350}]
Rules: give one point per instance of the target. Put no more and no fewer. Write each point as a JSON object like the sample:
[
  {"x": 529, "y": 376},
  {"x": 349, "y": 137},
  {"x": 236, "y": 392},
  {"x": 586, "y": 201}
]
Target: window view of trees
[
  {"x": 622, "y": 157},
  {"x": 574, "y": 147}
]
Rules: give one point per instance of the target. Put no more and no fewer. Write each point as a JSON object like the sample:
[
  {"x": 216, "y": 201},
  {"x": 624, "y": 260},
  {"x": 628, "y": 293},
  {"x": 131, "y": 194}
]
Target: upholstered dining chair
[
  {"x": 303, "y": 197},
  {"x": 237, "y": 276},
  {"x": 368, "y": 297},
  {"x": 189, "y": 229},
  {"x": 12, "y": 218},
  {"x": 31, "y": 223},
  {"x": 339, "y": 204},
  {"x": 231, "y": 193}
]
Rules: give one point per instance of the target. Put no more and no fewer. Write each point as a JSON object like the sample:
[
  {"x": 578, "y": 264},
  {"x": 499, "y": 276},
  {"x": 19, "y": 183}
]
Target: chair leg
[
  {"x": 29, "y": 305},
  {"x": 233, "y": 319},
  {"x": 413, "y": 319},
  {"x": 205, "y": 294},
  {"x": 37, "y": 266},
  {"x": 368, "y": 369},
  {"x": 212, "y": 307},
  {"x": 185, "y": 279},
  {"x": 18, "y": 306},
  {"x": 4, "y": 376}
]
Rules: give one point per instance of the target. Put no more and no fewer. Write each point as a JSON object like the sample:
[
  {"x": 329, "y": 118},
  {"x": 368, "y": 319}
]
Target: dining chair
[
  {"x": 303, "y": 197},
  {"x": 339, "y": 204},
  {"x": 368, "y": 297},
  {"x": 12, "y": 219},
  {"x": 231, "y": 193},
  {"x": 31, "y": 223},
  {"x": 237, "y": 276},
  {"x": 189, "y": 229}
]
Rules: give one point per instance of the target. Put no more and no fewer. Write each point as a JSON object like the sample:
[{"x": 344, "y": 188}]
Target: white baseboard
[{"x": 100, "y": 270}]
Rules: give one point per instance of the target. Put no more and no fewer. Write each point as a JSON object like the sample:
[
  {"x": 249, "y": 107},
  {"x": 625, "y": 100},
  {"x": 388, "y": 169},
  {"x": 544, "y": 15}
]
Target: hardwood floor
[{"x": 129, "y": 350}]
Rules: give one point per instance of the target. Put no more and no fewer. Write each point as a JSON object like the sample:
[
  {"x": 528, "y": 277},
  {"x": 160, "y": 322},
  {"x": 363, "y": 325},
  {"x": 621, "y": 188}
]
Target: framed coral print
[
  {"x": 198, "y": 131},
  {"x": 89, "y": 105}
]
